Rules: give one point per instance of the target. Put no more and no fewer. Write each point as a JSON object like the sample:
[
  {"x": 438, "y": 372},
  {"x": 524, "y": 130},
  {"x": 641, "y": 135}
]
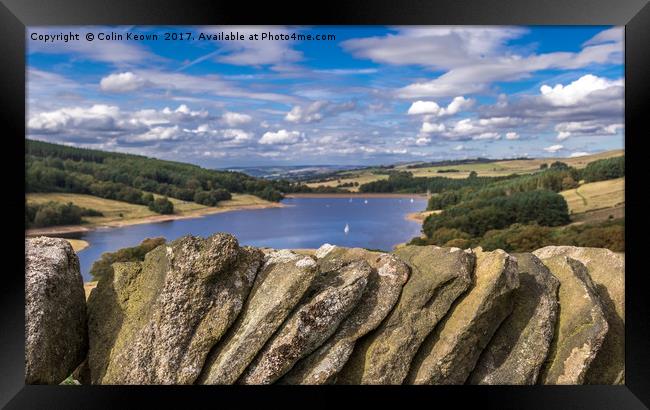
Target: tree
[
  {"x": 162, "y": 206},
  {"x": 543, "y": 166}
]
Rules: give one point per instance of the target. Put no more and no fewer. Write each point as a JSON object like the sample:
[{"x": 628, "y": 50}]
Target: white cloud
[
  {"x": 459, "y": 148},
  {"x": 234, "y": 119},
  {"x": 174, "y": 82},
  {"x": 97, "y": 117},
  {"x": 317, "y": 111},
  {"x": 578, "y": 154},
  {"x": 237, "y": 136},
  {"x": 423, "y": 141},
  {"x": 554, "y": 148},
  {"x": 512, "y": 135},
  {"x": 577, "y": 91},
  {"x": 428, "y": 127},
  {"x": 158, "y": 134},
  {"x": 121, "y": 82},
  {"x": 281, "y": 137},
  {"x": 487, "y": 136},
  {"x": 471, "y": 59},
  {"x": 432, "y": 108},
  {"x": 424, "y": 107},
  {"x": 586, "y": 128}
]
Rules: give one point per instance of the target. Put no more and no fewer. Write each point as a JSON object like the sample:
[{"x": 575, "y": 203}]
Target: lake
[{"x": 304, "y": 223}]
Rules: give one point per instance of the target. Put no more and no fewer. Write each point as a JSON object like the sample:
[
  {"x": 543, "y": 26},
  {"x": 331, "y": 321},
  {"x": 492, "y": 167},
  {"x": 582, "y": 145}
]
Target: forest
[
  {"x": 520, "y": 213},
  {"x": 133, "y": 178}
]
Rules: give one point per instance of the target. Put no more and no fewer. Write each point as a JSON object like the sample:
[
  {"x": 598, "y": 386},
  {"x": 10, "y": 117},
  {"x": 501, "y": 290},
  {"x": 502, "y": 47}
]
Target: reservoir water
[{"x": 373, "y": 223}]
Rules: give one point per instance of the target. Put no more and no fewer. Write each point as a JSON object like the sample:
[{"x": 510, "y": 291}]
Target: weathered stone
[
  {"x": 280, "y": 285},
  {"x": 384, "y": 287},
  {"x": 518, "y": 348},
  {"x": 155, "y": 322},
  {"x": 581, "y": 326},
  {"x": 56, "y": 337},
  {"x": 332, "y": 296},
  {"x": 449, "y": 354},
  {"x": 607, "y": 272},
  {"x": 438, "y": 277}
]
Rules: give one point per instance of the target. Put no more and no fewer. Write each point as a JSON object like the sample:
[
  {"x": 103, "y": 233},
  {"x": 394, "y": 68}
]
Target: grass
[
  {"x": 122, "y": 212},
  {"x": 596, "y": 195}
]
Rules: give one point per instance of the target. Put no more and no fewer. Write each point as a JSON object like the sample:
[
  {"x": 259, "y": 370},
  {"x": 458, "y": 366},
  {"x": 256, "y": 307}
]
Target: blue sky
[{"x": 372, "y": 95}]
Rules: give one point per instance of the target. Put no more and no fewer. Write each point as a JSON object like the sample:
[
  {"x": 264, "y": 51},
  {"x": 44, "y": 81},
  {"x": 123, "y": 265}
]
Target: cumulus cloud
[
  {"x": 234, "y": 119},
  {"x": 428, "y": 127},
  {"x": 578, "y": 154},
  {"x": 554, "y": 148},
  {"x": 122, "y": 82},
  {"x": 317, "y": 111},
  {"x": 577, "y": 91},
  {"x": 281, "y": 137},
  {"x": 512, "y": 135},
  {"x": 432, "y": 108},
  {"x": 157, "y": 134},
  {"x": 96, "y": 117}
]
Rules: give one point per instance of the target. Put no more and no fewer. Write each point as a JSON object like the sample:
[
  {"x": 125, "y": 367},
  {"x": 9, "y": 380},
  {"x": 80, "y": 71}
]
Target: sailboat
[
  {"x": 346, "y": 229},
  {"x": 411, "y": 200},
  {"x": 365, "y": 201}
]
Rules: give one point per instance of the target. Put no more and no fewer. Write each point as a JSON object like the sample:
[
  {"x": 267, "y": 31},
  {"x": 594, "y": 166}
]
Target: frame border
[{"x": 15, "y": 15}]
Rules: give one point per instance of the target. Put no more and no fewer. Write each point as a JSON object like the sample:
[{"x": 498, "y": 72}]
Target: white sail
[
  {"x": 365, "y": 201},
  {"x": 346, "y": 229},
  {"x": 411, "y": 200}
]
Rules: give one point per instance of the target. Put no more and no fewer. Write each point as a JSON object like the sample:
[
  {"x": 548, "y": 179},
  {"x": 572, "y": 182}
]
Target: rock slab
[
  {"x": 438, "y": 277},
  {"x": 607, "y": 271},
  {"x": 519, "y": 347},
  {"x": 56, "y": 337},
  {"x": 581, "y": 327},
  {"x": 385, "y": 282},
  {"x": 449, "y": 354},
  {"x": 279, "y": 286},
  {"x": 154, "y": 322},
  {"x": 330, "y": 299}
]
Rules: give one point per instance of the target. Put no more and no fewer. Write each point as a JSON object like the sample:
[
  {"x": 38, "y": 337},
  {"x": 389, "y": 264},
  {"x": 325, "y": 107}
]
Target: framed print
[{"x": 375, "y": 202}]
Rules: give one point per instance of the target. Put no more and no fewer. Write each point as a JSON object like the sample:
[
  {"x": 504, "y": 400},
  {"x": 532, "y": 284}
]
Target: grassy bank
[{"x": 118, "y": 213}]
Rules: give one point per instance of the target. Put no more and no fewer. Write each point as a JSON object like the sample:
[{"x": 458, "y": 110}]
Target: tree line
[{"x": 129, "y": 178}]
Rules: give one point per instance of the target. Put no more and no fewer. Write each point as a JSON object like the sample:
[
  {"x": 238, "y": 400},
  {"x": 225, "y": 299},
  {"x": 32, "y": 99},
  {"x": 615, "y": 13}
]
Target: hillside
[
  {"x": 68, "y": 186},
  {"x": 495, "y": 168}
]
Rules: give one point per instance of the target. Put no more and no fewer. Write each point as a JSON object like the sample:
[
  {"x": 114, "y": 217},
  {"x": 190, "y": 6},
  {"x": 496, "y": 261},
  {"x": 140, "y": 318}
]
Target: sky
[{"x": 366, "y": 95}]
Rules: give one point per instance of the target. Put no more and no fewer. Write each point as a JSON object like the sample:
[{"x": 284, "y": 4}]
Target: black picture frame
[{"x": 15, "y": 15}]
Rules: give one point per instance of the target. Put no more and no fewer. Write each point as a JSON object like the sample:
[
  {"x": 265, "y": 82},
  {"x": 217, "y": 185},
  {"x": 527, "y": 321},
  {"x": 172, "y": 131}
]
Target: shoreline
[
  {"x": 420, "y": 216},
  {"x": 355, "y": 195},
  {"x": 199, "y": 213}
]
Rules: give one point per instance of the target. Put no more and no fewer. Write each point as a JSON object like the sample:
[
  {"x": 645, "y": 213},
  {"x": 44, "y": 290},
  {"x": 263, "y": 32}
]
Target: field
[
  {"x": 596, "y": 201},
  {"x": 117, "y": 213},
  {"x": 498, "y": 168},
  {"x": 362, "y": 177}
]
